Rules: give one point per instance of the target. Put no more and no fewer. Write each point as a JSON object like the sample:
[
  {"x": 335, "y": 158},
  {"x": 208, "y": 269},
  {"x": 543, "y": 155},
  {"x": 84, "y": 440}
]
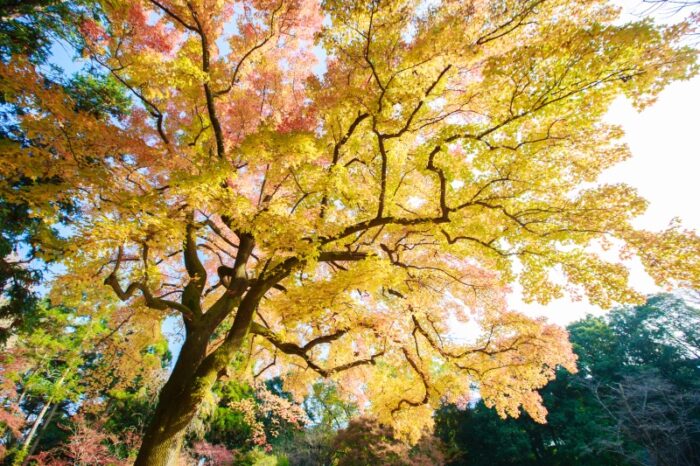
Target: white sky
[{"x": 664, "y": 167}]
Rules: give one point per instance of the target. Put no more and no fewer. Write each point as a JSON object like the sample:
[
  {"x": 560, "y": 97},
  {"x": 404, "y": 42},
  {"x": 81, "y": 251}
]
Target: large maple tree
[{"x": 334, "y": 188}]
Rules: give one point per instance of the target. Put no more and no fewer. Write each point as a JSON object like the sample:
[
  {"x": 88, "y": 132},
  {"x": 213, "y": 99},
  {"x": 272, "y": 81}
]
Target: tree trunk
[
  {"x": 163, "y": 440},
  {"x": 196, "y": 371},
  {"x": 41, "y": 432},
  {"x": 177, "y": 404},
  {"x": 37, "y": 422},
  {"x": 39, "y": 418}
]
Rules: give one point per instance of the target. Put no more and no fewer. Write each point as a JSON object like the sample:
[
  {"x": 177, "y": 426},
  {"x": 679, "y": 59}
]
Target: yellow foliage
[{"x": 356, "y": 223}]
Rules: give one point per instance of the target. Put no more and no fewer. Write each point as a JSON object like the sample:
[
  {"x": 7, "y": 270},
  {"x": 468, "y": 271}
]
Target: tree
[
  {"x": 366, "y": 441},
  {"x": 634, "y": 401},
  {"x": 45, "y": 368},
  {"x": 478, "y": 436},
  {"x": 673, "y": 5},
  {"x": 28, "y": 29},
  {"x": 328, "y": 412},
  {"x": 336, "y": 225},
  {"x": 250, "y": 416},
  {"x": 16, "y": 280},
  {"x": 576, "y": 431},
  {"x": 648, "y": 385},
  {"x": 659, "y": 416},
  {"x": 67, "y": 373},
  {"x": 326, "y": 407}
]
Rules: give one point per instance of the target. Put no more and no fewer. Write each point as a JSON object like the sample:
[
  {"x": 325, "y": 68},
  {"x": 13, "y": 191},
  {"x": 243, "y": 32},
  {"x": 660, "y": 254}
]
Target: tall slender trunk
[
  {"x": 41, "y": 432},
  {"x": 21, "y": 397},
  {"x": 30, "y": 435},
  {"x": 37, "y": 422},
  {"x": 177, "y": 404}
]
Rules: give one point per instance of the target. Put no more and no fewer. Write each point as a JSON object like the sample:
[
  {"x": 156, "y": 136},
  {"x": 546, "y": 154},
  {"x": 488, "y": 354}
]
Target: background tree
[
  {"x": 651, "y": 396},
  {"x": 659, "y": 418},
  {"x": 328, "y": 412},
  {"x": 29, "y": 29},
  {"x": 634, "y": 400},
  {"x": 243, "y": 417},
  {"x": 64, "y": 376},
  {"x": 366, "y": 441},
  {"x": 326, "y": 407},
  {"x": 336, "y": 226}
]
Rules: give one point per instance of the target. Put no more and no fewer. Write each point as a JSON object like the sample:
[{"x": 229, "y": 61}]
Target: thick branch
[
  {"x": 151, "y": 301},
  {"x": 376, "y": 222},
  {"x": 330, "y": 256},
  {"x": 444, "y": 210},
  {"x": 302, "y": 351},
  {"x": 424, "y": 380},
  {"x": 198, "y": 276},
  {"x": 208, "y": 94}
]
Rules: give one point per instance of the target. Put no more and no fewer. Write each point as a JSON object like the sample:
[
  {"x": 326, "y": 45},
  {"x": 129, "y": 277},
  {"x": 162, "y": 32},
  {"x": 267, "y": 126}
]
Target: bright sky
[{"x": 664, "y": 167}]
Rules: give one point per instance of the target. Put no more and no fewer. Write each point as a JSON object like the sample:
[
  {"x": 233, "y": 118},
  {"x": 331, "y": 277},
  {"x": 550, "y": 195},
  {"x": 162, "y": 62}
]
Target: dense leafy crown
[{"x": 350, "y": 180}]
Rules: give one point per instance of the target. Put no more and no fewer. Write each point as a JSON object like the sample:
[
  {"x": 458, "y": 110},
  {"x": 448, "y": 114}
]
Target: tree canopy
[{"x": 326, "y": 189}]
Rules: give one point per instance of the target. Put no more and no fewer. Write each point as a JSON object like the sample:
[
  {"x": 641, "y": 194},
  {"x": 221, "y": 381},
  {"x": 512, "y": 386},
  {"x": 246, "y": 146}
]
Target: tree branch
[
  {"x": 151, "y": 301},
  {"x": 192, "y": 293},
  {"x": 302, "y": 351}
]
